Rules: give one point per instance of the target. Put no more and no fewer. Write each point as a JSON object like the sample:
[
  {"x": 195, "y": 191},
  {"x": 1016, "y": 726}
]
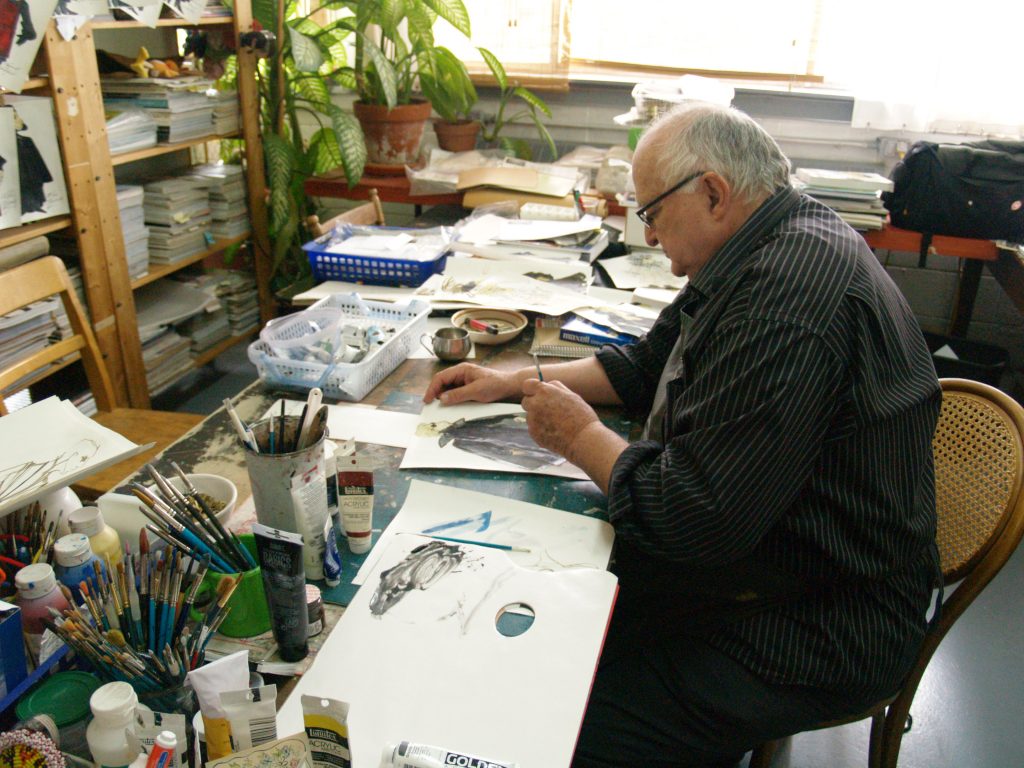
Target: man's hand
[
  {"x": 556, "y": 416},
  {"x": 466, "y": 381}
]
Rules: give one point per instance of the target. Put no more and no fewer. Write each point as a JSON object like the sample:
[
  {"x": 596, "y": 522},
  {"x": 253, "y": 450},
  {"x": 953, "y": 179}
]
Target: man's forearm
[
  {"x": 595, "y": 450},
  {"x": 585, "y": 377}
]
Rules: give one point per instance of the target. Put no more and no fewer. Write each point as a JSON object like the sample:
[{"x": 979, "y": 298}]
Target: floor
[{"x": 967, "y": 713}]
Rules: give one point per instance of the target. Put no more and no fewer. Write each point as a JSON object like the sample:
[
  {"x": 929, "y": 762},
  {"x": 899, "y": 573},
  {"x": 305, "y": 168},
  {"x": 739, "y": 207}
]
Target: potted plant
[
  {"x": 510, "y": 96},
  {"x": 452, "y": 95},
  {"x": 394, "y": 45}
]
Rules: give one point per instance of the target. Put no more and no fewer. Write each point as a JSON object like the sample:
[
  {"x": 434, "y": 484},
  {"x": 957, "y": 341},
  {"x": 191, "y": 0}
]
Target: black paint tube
[{"x": 284, "y": 581}]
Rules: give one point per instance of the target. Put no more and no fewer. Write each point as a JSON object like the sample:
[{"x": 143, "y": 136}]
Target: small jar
[
  {"x": 37, "y": 593},
  {"x": 75, "y": 561},
  {"x": 113, "y": 711},
  {"x": 103, "y": 539}
]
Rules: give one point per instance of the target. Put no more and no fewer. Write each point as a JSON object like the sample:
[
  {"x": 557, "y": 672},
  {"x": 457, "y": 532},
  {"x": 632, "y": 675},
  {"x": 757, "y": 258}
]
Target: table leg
[{"x": 966, "y": 292}]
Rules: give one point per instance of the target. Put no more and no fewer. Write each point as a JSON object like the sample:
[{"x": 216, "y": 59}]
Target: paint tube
[
  {"x": 252, "y": 714},
  {"x": 355, "y": 500},
  {"x": 409, "y": 755},
  {"x": 164, "y": 750},
  {"x": 332, "y": 558},
  {"x": 326, "y": 725},
  {"x": 149, "y": 725},
  {"x": 230, "y": 673},
  {"x": 309, "y": 500},
  {"x": 284, "y": 582}
]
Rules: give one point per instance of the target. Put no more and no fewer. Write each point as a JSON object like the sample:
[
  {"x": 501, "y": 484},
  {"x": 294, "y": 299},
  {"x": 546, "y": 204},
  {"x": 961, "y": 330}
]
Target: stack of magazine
[
  {"x": 179, "y": 106},
  {"x": 226, "y": 113},
  {"x": 226, "y": 187},
  {"x": 134, "y": 229},
  {"x": 177, "y": 210},
  {"x": 855, "y": 195}
]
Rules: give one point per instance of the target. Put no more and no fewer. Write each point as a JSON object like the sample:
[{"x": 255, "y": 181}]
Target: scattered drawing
[
  {"x": 505, "y": 437},
  {"x": 476, "y": 524},
  {"x": 22, "y": 477},
  {"x": 420, "y": 569}
]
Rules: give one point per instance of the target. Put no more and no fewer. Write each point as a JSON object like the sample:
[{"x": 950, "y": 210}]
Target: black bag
[{"x": 964, "y": 190}]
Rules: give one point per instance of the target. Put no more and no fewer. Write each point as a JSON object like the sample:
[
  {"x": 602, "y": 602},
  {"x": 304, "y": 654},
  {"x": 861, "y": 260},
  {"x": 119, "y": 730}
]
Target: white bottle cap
[
  {"x": 167, "y": 740},
  {"x": 35, "y": 580},
  {"x": 113, "y": 702},
  {"x": 359, "y": 544},
  {"x": 387, "y": 757},
  {"x": 72, "y": 550},
  {"x": 87, "y": 520}
]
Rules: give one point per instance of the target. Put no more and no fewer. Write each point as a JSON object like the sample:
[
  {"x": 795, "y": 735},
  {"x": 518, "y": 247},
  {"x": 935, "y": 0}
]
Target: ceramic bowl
[
  {"x": 509, "y": 323},
  {"x": 121, "y": 511}
]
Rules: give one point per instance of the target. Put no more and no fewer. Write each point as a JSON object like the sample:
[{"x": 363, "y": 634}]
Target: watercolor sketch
[
  {"x": 28, "y": 475},
  {"x": 542, "y": 538},
  {"x": 634, "y": 319},
  {"x": 22, "y": 23},
  {"x": 10, "y": 185},
  {"x": 482, "y": 436},
  {"x": 641, "y": 269},
  {"x": 43, "y": 192}
]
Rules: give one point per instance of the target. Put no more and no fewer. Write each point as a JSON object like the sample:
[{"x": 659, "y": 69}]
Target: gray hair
[{"x": 700, "y": 136}]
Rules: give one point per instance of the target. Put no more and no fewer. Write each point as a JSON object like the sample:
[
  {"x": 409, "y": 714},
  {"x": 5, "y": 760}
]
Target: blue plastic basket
[{"x": 371, "y": 270}]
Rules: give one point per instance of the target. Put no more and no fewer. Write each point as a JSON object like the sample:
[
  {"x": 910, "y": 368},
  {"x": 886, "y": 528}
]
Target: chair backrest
[
  {"x": 367, "y": 213},
  {"x": 979, "y": 469},
  {"x": 38, "y": 280}
]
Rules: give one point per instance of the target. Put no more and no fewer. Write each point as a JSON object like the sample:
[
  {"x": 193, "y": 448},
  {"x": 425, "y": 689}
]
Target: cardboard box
[{"x": 12, "y": 648}]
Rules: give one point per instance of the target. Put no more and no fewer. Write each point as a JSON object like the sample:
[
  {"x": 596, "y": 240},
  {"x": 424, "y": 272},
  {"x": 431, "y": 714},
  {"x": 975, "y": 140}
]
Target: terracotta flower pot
[
  {"x": 392, "y": 135},
  {"x": 457, "y": 137}
]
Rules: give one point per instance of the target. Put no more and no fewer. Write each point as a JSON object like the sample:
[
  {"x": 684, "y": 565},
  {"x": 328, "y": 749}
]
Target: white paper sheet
[
  {"x": 51, "y": 444},
  {"x": 362, "y": 423},
  {"x": 642, "y": 268},
  {"x": 426, "y": 452},
  {"x": 555, "y": 539},
  {"x": 508, "y": 292}
]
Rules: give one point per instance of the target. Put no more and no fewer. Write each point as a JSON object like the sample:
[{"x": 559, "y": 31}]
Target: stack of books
[
  {"x": 237, "y": 293},
  {"x": 31, "y": 328},
  {"x": 206, "y": 330},
  {"x": 226, "y": 186},
  {"x": 177, "y": 210},
  {"x": 129, "y": 130},
  {"x": 178, "y": 106},
  {"x": 166, "y": 358},
  {"x": 133, "y": 228},
  {"x": 854, "y": 195},
  {"x": 226, "y": 113}
]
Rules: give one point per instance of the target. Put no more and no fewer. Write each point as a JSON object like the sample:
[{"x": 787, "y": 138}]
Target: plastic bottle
[
  {"x": 113, "y": 710},
  {"x": 75, "y": 560},
  {"x": 103, "y": 539},
  {"x": 37, "y": 592}
]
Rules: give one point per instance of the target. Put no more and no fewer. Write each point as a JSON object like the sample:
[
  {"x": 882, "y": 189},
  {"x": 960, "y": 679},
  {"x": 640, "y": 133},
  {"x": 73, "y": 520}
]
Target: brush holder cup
[{"x": 249, "y": 615}]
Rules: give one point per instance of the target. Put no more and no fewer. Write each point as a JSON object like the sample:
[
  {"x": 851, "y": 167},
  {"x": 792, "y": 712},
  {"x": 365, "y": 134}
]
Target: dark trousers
[{"x": 676, "y": 701}]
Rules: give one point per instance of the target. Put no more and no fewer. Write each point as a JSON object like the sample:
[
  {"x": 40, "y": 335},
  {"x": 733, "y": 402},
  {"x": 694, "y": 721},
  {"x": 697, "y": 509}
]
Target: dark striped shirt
[{"x": 799, "y": 431}]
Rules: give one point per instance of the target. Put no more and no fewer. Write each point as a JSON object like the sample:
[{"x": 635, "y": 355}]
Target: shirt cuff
[{"x": 620, "y": 500}]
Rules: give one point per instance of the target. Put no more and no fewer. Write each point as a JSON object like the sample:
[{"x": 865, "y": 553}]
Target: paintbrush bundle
[{"x": 27, "y": 537}]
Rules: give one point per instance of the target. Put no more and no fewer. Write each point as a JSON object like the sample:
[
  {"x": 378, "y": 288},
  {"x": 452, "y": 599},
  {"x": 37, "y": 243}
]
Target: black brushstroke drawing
[
  {"x": 32, "y": 171},
  {"x": 500, "y": 438},
  {"x": 420, "y": 569},
  {"x": 11, "y": 12},
  {"x": 574, "y": 282},
  {"x": 30, "y": 475}
]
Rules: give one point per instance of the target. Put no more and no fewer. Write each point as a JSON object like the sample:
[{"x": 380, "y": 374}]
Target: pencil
[
  {"x": 491, "y": 544},
  {"x": 536, "y": 362}
]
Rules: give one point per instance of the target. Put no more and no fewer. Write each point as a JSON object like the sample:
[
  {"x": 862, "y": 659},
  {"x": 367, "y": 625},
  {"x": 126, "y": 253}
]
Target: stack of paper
[
  {"x": 496, "y": 237},
  {"x": 179, "y": 106},
  {"x": 129, "y": 130},
  {"x": 29, "y": 329},
  {"x": 226, "y": 187},
  {"x": 166, "y": 358},
  {"x": 133, "y": 228},
  {"x": 522, "y": 182},
  {"x": 854, "y": 195},
  {"x": 226, "y": 112},
  {"x": 177, "y": 210},
  {"x": 235, "y": 292},
  {"x": 205, "y": 330}
]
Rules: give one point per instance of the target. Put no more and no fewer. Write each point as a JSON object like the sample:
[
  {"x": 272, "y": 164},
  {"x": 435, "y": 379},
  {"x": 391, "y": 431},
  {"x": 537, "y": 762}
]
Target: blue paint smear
[{"x": 484, "y": 519}]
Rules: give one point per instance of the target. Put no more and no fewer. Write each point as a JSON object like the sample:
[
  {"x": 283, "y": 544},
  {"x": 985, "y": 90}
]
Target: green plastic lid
[{"x": 64, "y": 696}]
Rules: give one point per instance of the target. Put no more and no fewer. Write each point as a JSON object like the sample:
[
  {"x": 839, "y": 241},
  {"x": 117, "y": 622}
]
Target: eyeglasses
[{"x": 644, "y": 212}]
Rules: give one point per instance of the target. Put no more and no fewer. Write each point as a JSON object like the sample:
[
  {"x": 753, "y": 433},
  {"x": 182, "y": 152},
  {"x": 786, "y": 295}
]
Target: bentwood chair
[
  {"x": 979, "y": 467},
  {"x": 367, "y": 213},
  {"x": 46, "y": 277}
]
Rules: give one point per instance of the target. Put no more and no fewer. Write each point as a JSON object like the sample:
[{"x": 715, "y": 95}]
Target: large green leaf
[
  {"x": 280, "y": 161},
  {"x": 496, "y": 68},
  {"x": 531, "y": 99},
  {"x": 421, "y": 26},
  {"x": 546, "y": 136},
  {"x": 313, "y": 89},
  {"x": 265, "y": 12},
  {"x": 325, "y": 151},
  {"x": 350, "y": 142},
  {"x": 305, "y": 51},
  {"x": 452, "y": 11},
  {"x": 386, "y": 78}
]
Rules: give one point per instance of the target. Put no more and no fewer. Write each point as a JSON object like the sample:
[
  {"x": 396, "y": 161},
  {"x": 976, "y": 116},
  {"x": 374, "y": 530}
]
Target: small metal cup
[{"x": 449, "y": 344}]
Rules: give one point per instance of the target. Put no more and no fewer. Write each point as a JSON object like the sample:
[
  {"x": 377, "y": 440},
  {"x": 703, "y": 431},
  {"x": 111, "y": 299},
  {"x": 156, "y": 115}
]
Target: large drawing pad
[{"x": 433, "y": 668}]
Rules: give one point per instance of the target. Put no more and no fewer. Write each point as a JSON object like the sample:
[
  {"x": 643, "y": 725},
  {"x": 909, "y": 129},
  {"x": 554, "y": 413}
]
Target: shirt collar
[{"x": 751, "y": 234}]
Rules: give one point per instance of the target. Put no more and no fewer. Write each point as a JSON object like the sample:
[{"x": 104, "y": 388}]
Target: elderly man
[{"x": 775, "y": 522}]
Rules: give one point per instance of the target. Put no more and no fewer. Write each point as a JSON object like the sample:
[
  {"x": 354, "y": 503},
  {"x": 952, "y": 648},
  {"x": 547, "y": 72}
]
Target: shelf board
[
  {"x": 212, "y": 21},
  {"x": 162, "y": 270},
  {"x": 35, "y": 83},
  {"x": 213, "y": 352},
  {"x": 16, "y": 235},
  {"x": 164, "y": 149}
]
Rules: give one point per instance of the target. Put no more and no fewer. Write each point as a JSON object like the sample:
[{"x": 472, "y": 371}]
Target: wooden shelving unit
[
  {"x": 74, "y": 84},
  {"x": 222, "y": 346}
]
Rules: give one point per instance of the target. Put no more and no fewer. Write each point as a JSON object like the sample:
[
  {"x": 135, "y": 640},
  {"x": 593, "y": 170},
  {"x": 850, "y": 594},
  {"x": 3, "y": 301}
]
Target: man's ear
[{"x": 719, "y": 194}]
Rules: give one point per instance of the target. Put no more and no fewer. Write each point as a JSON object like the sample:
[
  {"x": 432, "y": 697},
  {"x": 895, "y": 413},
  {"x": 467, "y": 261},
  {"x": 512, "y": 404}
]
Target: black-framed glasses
[{"x": 644, "y": 212}]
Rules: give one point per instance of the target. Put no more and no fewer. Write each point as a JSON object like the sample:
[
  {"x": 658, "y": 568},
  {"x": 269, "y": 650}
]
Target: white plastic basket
[{"x": 345, "y": 381}]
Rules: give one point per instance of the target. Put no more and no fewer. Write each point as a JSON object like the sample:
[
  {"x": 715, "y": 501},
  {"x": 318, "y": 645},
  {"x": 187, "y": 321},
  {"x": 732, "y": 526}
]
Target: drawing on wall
[
  {"x": 190, "y": 10},
  {"x": 145, "y": 11},
  {"x": 423, "y": 567},
  {"x": 21, "y": 26},
  {"x": 28, "y": 475},
  {"x": 10, "y": 186},
  {"x": 485, "y": 436},
  {"x": 70, "y": 15},
  {"x": 43, "y": 192},
  {"x": 505, "y": 437}
]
